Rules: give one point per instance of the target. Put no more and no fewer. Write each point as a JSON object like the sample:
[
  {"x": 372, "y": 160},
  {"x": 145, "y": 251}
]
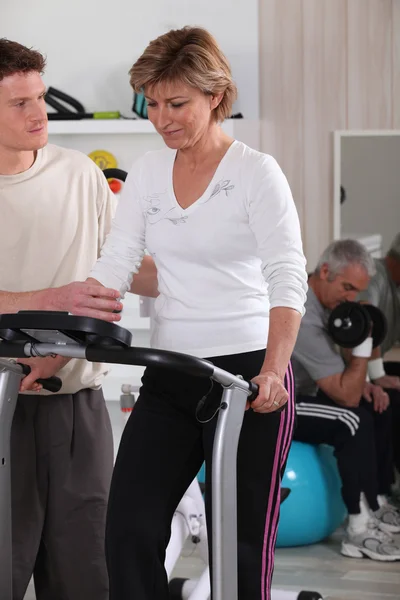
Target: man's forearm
[
  {"x": 353, "y": 379},
  {"x": 12, "y": 302}
]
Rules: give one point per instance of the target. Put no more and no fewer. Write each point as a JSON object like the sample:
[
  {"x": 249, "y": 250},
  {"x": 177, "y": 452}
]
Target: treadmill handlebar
[{"x": 145, "y": 357}]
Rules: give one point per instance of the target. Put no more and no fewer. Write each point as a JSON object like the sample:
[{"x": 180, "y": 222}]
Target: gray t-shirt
[
  {"x": 383, "y": 293},
  {"x": 315, "y": 356}
]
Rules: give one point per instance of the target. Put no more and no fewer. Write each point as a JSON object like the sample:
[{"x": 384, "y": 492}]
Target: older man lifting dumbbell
[{"x": 336, "y": 406}]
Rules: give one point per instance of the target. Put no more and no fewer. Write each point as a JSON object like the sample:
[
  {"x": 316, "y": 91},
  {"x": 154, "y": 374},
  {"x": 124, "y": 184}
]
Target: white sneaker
[
  {"x": 389, "y": 518},
  {"x": 373, "y": 543}
]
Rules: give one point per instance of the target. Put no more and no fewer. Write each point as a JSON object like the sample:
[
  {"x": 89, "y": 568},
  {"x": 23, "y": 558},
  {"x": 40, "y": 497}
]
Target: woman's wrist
[{"x": 268, "y": 369}]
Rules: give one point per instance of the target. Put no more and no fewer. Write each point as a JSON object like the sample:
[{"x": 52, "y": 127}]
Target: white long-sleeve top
[{"x": 222, "y": 263}]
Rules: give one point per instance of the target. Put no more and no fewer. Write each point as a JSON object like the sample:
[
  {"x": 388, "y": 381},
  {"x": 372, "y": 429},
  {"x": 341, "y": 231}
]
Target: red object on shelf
[{"x": 115, "y": 185}]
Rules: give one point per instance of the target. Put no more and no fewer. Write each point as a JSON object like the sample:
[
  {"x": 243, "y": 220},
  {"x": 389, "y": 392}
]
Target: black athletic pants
[
  {"x": 362, "y": 439},
  {"x": 162, "y": 449}
]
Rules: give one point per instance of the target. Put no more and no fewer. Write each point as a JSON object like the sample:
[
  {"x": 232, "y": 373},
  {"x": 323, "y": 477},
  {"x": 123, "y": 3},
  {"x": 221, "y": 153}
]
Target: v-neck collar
[{"x": 208, "y": 191}]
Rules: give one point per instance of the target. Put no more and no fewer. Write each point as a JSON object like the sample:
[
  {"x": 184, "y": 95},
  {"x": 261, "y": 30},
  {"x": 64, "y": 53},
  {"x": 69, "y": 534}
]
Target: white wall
[
  {"x": 370, "y": 174},
  {"x": 326, "y": 65},
  {"x": 91, "y": 44}
]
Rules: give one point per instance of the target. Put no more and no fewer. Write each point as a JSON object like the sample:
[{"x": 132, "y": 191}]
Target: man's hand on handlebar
[
  {"x": 89, "y": 299},
  {"x": 41, "y": 368},
  {"x": 272, "y": 393}
]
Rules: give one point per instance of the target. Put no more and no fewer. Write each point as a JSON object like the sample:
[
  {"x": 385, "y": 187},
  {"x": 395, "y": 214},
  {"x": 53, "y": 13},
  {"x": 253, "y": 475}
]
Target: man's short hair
[
  {"x": 342, "y": 253},
  {"x": 16, "y": 58}
]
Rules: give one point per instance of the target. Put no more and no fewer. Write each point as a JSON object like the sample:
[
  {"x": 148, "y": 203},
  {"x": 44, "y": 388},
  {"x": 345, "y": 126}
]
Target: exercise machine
[{"x": 39, "y": 334}]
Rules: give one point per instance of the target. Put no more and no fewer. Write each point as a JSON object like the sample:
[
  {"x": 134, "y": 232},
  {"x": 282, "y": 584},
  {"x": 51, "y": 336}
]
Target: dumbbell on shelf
[{"x": 350, "y": 324}]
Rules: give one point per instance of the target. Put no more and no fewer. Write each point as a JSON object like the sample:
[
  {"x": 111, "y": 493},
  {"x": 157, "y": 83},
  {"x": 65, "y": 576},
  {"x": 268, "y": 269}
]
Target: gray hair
[
  {"x": 394, "y": 249},
  {"x": 342, "y": 253}
]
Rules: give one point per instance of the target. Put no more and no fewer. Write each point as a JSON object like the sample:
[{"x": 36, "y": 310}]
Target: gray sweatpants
[{"x": 62, "y": 460}]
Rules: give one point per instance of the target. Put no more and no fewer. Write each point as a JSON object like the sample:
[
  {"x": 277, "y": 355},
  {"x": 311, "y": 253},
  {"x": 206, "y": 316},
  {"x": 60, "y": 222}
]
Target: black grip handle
[
  {"x": 12, "y": 349},
  {"x": 52, "y": 384},
  {"x": 254, "y": 391},
  {"x": 64, "y": 116}
]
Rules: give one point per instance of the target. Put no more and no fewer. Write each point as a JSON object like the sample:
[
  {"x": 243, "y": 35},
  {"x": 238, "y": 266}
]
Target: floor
[{"x": 319, "y": 567}]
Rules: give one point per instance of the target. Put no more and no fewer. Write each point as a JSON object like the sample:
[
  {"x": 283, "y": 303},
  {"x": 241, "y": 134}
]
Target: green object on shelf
[{"x": 107, "y": 115}]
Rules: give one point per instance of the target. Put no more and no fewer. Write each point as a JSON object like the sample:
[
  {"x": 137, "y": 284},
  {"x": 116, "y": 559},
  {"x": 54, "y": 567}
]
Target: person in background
[{"x": 335, "y": 405}]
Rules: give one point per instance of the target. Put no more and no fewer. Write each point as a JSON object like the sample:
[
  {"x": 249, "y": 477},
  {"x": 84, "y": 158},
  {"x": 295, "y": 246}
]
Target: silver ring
[{"x": 276, "y": 403}]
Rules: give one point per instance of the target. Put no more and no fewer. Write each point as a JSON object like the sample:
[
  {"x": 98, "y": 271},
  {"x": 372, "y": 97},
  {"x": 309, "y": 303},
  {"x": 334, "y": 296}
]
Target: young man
[
  {"x": 336, "y": 406},
  {"x": 56, "y": 210}
]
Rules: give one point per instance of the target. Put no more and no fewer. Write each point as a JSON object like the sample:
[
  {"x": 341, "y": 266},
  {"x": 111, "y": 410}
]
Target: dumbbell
[{"x": 350, "y": 324}]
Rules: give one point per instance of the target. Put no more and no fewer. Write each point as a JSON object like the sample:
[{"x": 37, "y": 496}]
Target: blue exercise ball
[
  {"x": 201, "y": 475},
  {"x": 314, "y": 507}
]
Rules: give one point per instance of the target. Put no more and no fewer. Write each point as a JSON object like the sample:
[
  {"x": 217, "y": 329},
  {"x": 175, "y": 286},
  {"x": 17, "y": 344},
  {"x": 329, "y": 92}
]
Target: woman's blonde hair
[{"x": 191, "y": 56}]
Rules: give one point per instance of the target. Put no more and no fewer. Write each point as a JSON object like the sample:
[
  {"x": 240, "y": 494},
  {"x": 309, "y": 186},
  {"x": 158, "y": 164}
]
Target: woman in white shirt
[{"x": 220, "y": 222}]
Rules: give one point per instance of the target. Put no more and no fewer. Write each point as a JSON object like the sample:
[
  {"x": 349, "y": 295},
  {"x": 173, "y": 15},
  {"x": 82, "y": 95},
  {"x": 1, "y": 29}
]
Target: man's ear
[{"x": 324, "y": 272}]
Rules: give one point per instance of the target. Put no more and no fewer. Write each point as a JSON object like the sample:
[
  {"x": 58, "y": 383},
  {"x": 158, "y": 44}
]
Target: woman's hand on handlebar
[
  {"x": 272, "y": 393},
  {"x": 88, "y": 299},
  {"x": 41, "y": 368}
]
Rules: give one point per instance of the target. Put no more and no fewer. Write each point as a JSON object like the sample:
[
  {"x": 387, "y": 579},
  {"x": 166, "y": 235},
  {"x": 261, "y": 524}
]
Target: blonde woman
[{"x": 219, "y": 220}]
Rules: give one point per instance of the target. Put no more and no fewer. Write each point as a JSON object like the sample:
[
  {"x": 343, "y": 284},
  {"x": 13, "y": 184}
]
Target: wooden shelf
[
  {"x": 114, "y": 126},
  {"x": 100, "y": 126}
]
